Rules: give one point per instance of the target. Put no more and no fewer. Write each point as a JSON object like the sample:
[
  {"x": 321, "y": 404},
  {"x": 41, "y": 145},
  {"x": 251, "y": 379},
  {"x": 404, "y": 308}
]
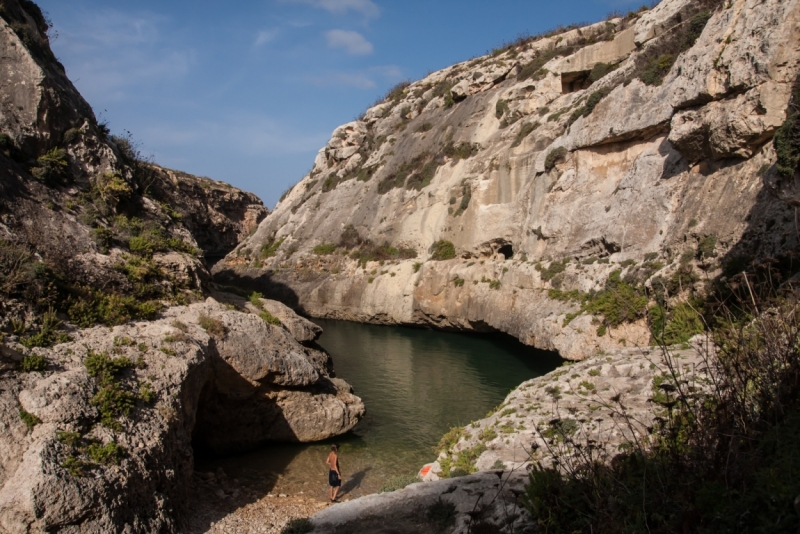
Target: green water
[{"x": 416, "y": 385}]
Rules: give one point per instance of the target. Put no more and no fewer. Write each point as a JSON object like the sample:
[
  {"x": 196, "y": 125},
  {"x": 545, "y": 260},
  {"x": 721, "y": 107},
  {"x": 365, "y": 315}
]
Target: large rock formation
[
  {"x": 98, "y": 421},
  {"x": 99, "y": 439},
  {"x": 548, "y": 166},
  {"x": 84, "y": 219}
]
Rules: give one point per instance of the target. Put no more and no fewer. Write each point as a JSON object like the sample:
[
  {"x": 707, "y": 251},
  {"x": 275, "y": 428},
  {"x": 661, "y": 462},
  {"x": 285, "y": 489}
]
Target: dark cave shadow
[
  {"x": 231, "y": 406},
  {"x": 674, "y": 164},
  {"x": 255, "y": 280},
  {"x": 770, "y": 234}
]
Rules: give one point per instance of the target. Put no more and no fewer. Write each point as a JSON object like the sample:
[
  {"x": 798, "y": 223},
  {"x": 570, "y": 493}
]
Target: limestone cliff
[
  {"x": 503, "y": 192},
  {"x": 98, "y": 432},
  {"x": 114, "y": 361},
  {"x": 89, "y": 229}
]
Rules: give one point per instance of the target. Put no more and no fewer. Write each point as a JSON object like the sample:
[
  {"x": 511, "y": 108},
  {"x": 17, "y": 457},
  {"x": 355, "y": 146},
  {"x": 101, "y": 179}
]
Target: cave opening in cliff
[
  {"x": 575, "y": 81},
  {"x": 507, "y": 251}
]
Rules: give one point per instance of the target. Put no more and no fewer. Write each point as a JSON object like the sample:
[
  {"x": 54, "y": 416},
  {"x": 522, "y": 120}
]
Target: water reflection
[{"x": 416, "y": 384}]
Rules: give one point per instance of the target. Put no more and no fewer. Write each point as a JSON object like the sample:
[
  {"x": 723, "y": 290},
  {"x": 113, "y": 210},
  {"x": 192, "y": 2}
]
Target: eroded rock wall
[
  {"x": 240, "y": 384},
  {"x": 73, "y": 198},
  {"x": 552, "y": 150}
]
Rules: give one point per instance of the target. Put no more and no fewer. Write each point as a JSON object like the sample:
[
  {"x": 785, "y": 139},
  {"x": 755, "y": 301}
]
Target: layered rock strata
[
  {"x": 100, "y": 440},
  {"x": 548, "y": 166}
]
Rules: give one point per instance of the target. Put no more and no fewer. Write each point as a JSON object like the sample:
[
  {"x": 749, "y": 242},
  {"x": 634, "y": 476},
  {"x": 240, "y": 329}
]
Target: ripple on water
[{"x": 416, "y": 384}]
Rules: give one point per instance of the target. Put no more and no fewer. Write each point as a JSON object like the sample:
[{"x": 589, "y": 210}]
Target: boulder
[{"x": 204, "y": 374}]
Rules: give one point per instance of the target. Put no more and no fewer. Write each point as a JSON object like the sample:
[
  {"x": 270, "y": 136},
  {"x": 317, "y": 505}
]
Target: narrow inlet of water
[{"x": 416, "y": 385}]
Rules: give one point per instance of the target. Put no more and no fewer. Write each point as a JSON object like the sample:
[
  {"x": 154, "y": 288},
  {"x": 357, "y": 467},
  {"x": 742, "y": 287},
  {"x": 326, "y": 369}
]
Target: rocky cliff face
[
  {"x": 88, "y": 228},
  {"x": 98, "y": 438},
  {"x": 503, "y": 193},
  {"x": 98, "y": 422},
  {"x": 218, "y": 215}
]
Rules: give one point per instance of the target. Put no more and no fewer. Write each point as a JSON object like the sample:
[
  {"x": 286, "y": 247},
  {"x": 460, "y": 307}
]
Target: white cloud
[
  {"x": 266, "y": 36},
  {"x": 352, "y": 42},
  {"x": 366, "y": 7}
]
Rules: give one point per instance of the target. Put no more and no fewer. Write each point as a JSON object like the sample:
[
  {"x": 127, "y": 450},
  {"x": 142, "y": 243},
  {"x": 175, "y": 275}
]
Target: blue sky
[{"x": 249, "y": 94}]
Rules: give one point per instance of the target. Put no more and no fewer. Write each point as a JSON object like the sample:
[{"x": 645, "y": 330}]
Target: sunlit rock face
[{"x": 634, "y": 139}]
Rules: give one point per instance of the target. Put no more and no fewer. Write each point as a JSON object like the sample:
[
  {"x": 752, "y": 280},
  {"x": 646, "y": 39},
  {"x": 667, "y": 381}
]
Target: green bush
[
  {"x": 49, "y": 333},
  {"x": 154, "y": 240},
  {"x": 424, "y": 177},
  {"x": 108, "y": 454},
  {"x": 29, "y": 419},
  {"x": 591, "y": 103},
  {"x": 268, "y": 318},
  {"x": 370, "y": 252},
  {"x": 561, "y": 429},
  {"x": 723, "y": 454},
  {"x": 534, "y": 70},
  {"x": 100, "y": 365},
  {"x": 657, "y": 68},
  {"x": 70, "y": 439},
  {"x": 618, "y": 303},
  {"x": 70, "y": 135},
  {"x": 102, "y": 237},
  {"x": 146, "y": 392},
  {"x": 458, "y": 281},
  {"x": 524, "y": 131},
  {"x": 74, "y": 466},
  {"x": 465, "y": 200},
  {"x": 553, "y": 157},
  {"x": 443, "y": 250},
  {"x": 600, "y": 70},
  {"x": 111, "y": 309},
  {"x": 653, "y": 65},
  {"x": 706, "y": 247},
  {"x": 330, "y": 183},
  {"x": 555, "y": 268},
  {"x": 464, "y": 462},
  {"x": 500, "y": 108},
  {"x": 33, "y": 363},
  {"x": 112, "y": 188},
  {"x": 52, "y": 167},
  {"x": 397, "y": 92},
  {"x": 112, "y": 402},
  {"x": 255, "y": 299},
  {"x": 325, "y": 249},
  {"x": 417, "y": 266},
  {"x": 677, "y": 325},
  {"x": 450, "y": 439},
  {"x": 461, "y": 150},
  {"x": 270, "y": 249},
  {"x": 213, "y": 326}
]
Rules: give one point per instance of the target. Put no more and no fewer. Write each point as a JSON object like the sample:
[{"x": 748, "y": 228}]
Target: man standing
[{"x": 334, "y": 476}]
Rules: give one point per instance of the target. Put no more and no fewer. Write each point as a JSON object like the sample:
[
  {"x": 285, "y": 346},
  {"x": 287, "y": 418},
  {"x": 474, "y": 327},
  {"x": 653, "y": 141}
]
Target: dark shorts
[{"x": 333, "y": 479}]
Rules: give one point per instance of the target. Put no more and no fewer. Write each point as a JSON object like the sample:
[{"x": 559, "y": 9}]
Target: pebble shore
[{"x": 220, "y": 505}]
